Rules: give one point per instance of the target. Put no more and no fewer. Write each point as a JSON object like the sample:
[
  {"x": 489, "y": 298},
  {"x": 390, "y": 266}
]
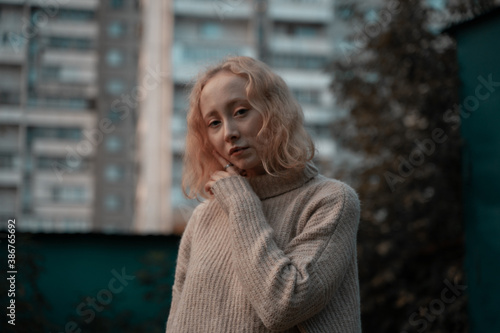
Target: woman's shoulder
[
  {"x": 195, "y": 215},
  {"x": 321, "y": 186},
  {"x": 329, "y": 201},
  {"x": 332, "y": 196},
  {"x": 202, "y": 211}
]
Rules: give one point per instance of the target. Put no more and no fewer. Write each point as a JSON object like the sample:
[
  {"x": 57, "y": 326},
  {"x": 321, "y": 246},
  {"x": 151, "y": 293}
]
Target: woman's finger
[
  {"x": 225, "y": 164},
  {"x": 227, "y": 171},
  {"x": 208, "y": 187},
  {"x": 213, "y": 178}
]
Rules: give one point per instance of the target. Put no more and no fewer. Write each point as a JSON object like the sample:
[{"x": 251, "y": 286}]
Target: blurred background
[{"x": 401, "y": 98}]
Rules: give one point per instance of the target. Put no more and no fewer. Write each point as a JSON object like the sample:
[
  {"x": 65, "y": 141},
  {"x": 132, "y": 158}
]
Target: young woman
[{"x": 273, "y": 248}]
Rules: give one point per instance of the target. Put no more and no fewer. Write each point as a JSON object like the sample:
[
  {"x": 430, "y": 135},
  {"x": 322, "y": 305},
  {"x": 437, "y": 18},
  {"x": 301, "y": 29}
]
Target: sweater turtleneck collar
[{"x": 267, "y": 186}]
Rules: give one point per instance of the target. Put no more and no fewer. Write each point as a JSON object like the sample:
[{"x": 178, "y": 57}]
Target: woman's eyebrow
[
  {"x": 235, "y": 101},
  {"x": 210, "y": 114},
  {"x": 229, "y": 105}
]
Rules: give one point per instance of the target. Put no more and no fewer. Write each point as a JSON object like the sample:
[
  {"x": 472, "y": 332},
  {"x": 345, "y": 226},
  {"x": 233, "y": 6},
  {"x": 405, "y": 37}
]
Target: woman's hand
[{"x": 227, "y": 171}]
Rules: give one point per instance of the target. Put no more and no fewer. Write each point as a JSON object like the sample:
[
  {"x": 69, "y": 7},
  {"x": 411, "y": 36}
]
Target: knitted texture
[{"x": 269, "y": 254}]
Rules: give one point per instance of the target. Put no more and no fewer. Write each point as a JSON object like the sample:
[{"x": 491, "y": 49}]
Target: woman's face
[{"x": 231, "y": 124}]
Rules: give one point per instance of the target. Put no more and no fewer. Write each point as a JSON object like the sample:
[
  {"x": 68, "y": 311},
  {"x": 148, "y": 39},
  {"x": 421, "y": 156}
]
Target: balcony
[
  {"x": 319, "y": 11},
  {"x": 236, "y": 9},
  {"x": 301, "y": 45},
  {"x": 13, "y": 53},
  {"x": 191, "y": 57},
  {"x": 14, "y": 2},
  {"x": 10, "y": 98},
  {"x": 318, "y": 115},
  {"x": 73, "y": 4},
  {"x": 10, "y": 177},
  {"x": 57, "y": 147},
  {"x": 70, "y": 29},
  {"x": 65, "y": 89},
  {"x": 326, "y": 148},
  {"x": 71, "y": 74},
  {"x": 68, "y": 58},
  {"x": 10, "y": 114},
  {"x": 9, "y": 142},
  {"x": 310, "y": 79},
  {"x": 50, "y": 224},
  {"x": 63, "y": 118},
  {"x": 69, "y": 195}
]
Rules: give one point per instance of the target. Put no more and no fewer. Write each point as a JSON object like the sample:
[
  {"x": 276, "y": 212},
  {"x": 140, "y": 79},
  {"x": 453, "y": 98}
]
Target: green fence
[
  {"x": 91, "y": 283},
  {"x": 479, "y": 59}
]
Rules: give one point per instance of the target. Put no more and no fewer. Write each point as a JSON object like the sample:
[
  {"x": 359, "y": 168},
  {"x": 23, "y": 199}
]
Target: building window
[
  {"x": 345, "y": 11},
  {"x": 59, "y": 103},
  {"x": 115, "y": 87},
  {"x": 193, "y": 52},
  {"x": 62, "y": 163},
  {"x": 116, "y": 29},
  {"x": 71, "y": 14},
  {"x": 70, "y": 133},
  {"x": 303, "y": 96},
  {"x": 210, "y": 30},
  {"x": 371, "y": 15},
  {"x": 306, "y": 31},
  {"x": 313, "y": 62},
  {"x": 177, "y": 170},
  {"x": 180, "y": 98},
  {"x": 50, "y": 73},
  {"x": 113, "y": 173},
  {"x": 70, "y": 43},
  {"x": 319, "y": 131},
  {"x": 114, "y": 58},
  {"x": 72, "y": 224},
  {"x": 68, "y": 194},
  {"x": 436, "y": 4},
  {"x": 116, "y": 4},
  {"x": 298, "y": 30},
  {"x": 112, "y": 202},
  {"x": 53, "y": 133},
  {"x": 114, "y": 116},
  {"x": 7, "y": 161},
  {"x": 299, "y": 61},
  {"x": 7, "y": 201},
  {"x": 10, "y": 97},
  {"x": 113, "y": 143},
  {"x": 5, "y": 38}
]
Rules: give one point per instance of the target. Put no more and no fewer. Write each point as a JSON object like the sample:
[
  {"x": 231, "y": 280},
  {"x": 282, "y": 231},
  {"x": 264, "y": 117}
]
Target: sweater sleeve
[
  {"x": 289, "y": 286},
  {"x": 181, "y": 267}
]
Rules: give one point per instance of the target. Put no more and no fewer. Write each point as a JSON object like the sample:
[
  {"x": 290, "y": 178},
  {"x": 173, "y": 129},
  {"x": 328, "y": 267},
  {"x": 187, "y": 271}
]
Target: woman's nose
[{"x": 231, "y": 132}]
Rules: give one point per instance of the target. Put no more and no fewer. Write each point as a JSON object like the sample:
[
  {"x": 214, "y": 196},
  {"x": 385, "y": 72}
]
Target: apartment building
[
  {"x": 117, "y": 105},
  {"x": 204, "y": 32},
  {"x": 292, "y": 36},
  {"x": 83, "y": 149},
  {"x": 61, "y": 163},
  {"x": 299, "y": 47}
]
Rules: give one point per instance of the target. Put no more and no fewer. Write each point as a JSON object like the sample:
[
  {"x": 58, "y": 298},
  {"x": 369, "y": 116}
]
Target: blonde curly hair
[{"x": 288, "y": 145}]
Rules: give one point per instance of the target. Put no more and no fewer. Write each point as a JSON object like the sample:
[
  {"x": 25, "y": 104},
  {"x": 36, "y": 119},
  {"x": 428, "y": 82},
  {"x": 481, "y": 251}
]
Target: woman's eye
[
  {"x": 213, "y": 123},
  {"x": 240, "y": 112}
]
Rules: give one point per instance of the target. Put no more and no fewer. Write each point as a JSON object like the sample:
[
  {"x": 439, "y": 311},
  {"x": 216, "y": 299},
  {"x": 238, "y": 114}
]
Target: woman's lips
[{"x": 237, "y": 151}]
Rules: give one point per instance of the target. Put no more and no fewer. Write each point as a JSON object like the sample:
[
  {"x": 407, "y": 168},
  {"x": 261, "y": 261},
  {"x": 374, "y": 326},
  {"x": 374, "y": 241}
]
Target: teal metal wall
[
  {"x": 92, "y": 283},
  {"x": 478, "y": 45}
]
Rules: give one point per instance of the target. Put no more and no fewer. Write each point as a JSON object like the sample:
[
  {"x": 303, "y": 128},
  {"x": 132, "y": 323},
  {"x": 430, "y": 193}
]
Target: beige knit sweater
[{"x": 270, "y": 254}]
